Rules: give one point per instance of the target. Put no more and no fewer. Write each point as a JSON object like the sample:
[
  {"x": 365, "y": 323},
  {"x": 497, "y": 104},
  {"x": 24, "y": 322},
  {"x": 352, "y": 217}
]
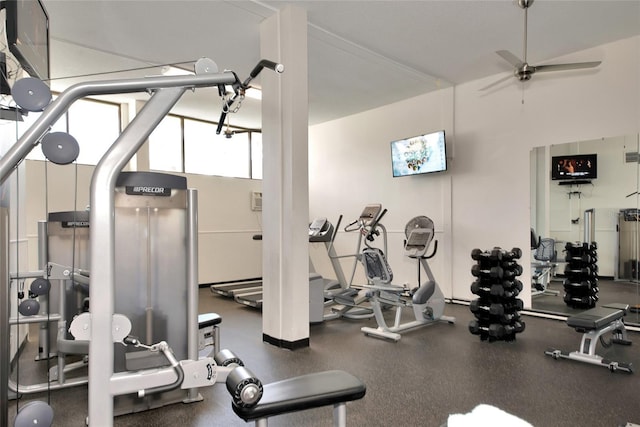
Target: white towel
[{"x": 486, "y": 415}]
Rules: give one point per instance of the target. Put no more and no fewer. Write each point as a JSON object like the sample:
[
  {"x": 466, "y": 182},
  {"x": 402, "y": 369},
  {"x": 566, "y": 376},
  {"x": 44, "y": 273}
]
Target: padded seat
[
  {"x": 304, "y": 392},
  {"x": 208, "y": 319},
  {"x": 596, "y": 318}
]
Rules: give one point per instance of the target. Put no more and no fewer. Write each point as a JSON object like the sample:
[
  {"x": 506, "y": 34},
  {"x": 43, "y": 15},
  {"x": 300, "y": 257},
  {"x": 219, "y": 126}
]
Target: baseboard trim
[{"x": 290, "y": 345}]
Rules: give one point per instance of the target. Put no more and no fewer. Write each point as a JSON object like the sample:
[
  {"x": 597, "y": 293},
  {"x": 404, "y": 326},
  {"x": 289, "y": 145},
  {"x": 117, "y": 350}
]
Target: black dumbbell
[
  {"x": 495, "y": 290},
  {"x": 514, "y": 253},
  {"x": 588, "y": 270},
  {"x": 495, "y": 330},
  {"x": 477, "y": 329},
  {"x": 512, "y": 273},
  {"x": 584, "y": 284},
  {"x": 581, "y": 302},
  {"x": 512, "y": 284},
  {"x": 499, "y": 331},
  {"x": 494, "y": 254},
  {"x": 495, "y": 272},
  {"x": 495, "y": 309},
  {"x": 586, "y": 258},
  {"x": 505, "y": 319}
]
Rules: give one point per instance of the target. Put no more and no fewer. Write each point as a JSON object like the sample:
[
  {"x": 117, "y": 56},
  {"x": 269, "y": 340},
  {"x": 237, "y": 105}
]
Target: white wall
[{"x": 491, "y": 135}]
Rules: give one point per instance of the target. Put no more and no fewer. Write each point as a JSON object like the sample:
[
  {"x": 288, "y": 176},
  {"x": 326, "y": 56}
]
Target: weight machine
[{"x": 103, "y": 327}]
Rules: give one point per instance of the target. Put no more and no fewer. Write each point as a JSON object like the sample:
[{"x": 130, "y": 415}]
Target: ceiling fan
[{"x": 523, "y": 70}]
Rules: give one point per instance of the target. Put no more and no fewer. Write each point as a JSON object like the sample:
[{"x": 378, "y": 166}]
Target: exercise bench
[
  {"x": 300, "y": 393},
  {"x": 593, "y": 324}
]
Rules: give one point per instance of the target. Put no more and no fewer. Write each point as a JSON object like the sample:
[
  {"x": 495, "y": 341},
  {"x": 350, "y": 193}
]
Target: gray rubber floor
[{"x": 430, "y": 373}]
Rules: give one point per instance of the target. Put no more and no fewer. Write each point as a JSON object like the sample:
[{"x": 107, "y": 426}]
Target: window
[
  {"x": 256, "y": 155},
  {"x": 82, "y": 121},
  {"x": 59, "y": 126},
  {"x": 178, "y": 144},
  {"x": 165, "y": 145},
  {"x": 95, "y": 125},
  {"x": 210, "y": 154}
]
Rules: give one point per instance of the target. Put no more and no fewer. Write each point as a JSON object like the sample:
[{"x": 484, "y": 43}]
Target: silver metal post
[
  {"x": 44, "y": 347},
  {"x": 589, "y": 225},
  {"x": 5, "y": 351},
  {"x": 192, "y": 281}
]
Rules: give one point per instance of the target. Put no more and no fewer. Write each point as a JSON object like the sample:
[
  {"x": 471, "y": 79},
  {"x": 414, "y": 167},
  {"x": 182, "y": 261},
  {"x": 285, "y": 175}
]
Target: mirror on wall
[{"x": 583, "y": 192}]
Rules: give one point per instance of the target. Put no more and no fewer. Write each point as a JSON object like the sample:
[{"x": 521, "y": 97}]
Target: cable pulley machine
[{"x": 103, "y": 326}]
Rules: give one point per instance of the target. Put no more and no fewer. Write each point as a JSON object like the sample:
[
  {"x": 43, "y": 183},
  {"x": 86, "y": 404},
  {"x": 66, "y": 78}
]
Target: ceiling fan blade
[
  {"x": 497, "y": 82},
  {"x": 510, "y": 58},
  {"x": 569, "y": 66}
]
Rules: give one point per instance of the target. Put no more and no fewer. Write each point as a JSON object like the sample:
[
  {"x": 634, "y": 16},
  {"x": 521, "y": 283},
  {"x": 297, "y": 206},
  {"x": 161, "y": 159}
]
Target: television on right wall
[{"x": 571, "y": 167}]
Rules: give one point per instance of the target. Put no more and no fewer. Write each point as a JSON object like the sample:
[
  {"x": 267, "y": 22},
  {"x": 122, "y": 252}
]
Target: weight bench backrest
[{"x": 546, "y": 250}]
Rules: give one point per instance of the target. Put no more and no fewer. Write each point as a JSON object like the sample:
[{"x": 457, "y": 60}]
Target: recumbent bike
[{"x": 427, "y": 300}]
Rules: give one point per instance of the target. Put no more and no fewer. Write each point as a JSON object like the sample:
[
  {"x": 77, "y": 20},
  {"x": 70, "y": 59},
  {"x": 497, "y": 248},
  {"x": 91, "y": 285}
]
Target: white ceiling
[{"x": 362, "y": 54}]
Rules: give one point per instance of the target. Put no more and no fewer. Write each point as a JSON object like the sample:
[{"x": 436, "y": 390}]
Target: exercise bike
[{"x": 427, "y": 300}]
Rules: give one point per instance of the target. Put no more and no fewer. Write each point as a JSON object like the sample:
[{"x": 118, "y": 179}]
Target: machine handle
[
  {"x": 265, "y": 63},
  {"x": 240, "y": 87},
  {"x": 372, "y": 229},
  {"x": 435, "y": 249}
]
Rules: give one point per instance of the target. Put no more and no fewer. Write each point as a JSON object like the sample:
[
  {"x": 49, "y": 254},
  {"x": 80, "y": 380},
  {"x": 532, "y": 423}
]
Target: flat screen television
[
  {"x": 419, "y": 154},
  {"x": 28, "y": 36},
  {"x": 574, "y": 167}
]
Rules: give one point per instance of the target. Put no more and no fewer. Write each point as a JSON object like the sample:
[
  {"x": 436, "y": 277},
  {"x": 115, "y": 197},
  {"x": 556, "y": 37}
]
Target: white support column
[{"x": 285, "y": 183}]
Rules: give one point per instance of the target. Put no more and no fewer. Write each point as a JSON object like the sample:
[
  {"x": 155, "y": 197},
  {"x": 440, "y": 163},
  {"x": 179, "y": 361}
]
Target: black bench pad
[
  {"x": 595, "y": 318},
  {"x": 304, "y": 392},
  {"x": 208, "y": 319}
]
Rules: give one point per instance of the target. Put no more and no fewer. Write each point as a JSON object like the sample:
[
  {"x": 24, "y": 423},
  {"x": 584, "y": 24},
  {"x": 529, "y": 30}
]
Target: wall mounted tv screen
[
  {"x": 576, "y": 166},
  {"x": 28, "y": 36},
  {"x": 419, "y": 154}
]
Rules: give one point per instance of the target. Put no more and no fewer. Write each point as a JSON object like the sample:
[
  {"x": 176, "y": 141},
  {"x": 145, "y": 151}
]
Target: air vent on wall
[
  {"x": 256, "y": 201},
  {"x": 631, "y": 157}
]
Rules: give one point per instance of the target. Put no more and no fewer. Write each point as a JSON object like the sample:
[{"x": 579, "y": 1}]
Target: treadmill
[
  {"x": 231, "y": 289},
  {"x": 253, "y": 297},
  {"x": 235, "y": 287}
]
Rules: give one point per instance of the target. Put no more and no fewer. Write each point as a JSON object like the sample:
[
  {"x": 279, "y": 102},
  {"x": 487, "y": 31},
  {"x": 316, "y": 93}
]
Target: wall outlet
[{"x": 256, "y": 201}]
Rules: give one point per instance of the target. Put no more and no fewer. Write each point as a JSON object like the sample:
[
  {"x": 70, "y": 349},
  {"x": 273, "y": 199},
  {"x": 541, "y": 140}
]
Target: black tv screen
[
  {"x": 419, "y": 154},
  {"x": 28, "y": 36},
  {"x": 574, "y": 166}
]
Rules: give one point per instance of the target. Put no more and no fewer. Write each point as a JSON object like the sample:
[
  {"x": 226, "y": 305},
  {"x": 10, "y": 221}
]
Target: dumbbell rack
[
  {"x": 581, "y": 275},
  {"x": 497, "y": 310}
]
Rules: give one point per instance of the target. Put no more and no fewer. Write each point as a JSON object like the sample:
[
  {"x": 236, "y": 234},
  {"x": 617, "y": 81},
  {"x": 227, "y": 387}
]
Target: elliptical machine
[
  {"x": 341, "y": 296},
  {"x": 427, "y": 300}
]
